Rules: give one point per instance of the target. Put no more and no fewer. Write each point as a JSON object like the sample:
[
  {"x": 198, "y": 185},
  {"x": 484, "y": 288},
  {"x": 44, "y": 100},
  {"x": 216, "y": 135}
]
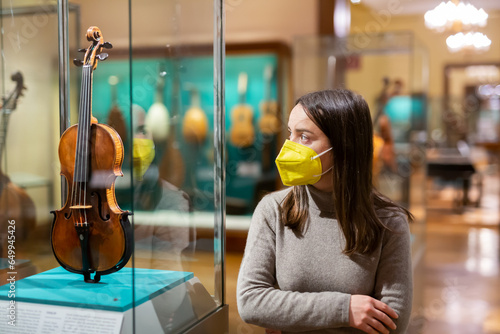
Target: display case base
[{"x": 129, "y": 301}]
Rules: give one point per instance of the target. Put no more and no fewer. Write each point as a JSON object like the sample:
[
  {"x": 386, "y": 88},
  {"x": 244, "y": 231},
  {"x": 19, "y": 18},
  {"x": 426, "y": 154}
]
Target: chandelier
[{"x": 462, "y": 19}]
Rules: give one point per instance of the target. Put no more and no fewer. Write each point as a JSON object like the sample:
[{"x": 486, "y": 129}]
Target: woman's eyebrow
[{"x": 303, "y": 130}]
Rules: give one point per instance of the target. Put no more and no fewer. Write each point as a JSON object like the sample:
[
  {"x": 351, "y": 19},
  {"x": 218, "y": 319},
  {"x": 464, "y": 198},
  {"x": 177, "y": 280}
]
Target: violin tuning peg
[
  {"x": 102, "y": 56},
  {"x": 107, "y": 45},
  {"x": 82, "y": 50},
  {"x": 77, "y": 62}
]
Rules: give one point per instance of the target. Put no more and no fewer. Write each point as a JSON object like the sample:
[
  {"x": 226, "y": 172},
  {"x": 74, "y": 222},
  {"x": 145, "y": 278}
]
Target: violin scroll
[{"x": 93, "y": 52}]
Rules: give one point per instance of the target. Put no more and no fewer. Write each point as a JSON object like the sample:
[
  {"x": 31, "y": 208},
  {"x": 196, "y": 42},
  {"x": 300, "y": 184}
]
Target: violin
[
  {"x": 90, "y": 234},
  {"x": 15, "y": 203}
]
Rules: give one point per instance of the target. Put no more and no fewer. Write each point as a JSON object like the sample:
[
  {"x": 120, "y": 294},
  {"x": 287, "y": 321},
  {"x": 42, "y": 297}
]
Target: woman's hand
[{"x": 371, "y": 315}]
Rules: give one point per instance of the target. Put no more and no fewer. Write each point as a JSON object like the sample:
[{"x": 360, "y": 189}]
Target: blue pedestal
[{"x": 114, "y": 293}]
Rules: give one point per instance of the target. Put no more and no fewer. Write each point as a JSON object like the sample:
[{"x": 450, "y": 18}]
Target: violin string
[
  {"x": 81, "y": 144},
  {"x": 74, "y": 190},
  {"x": 88, "y": 129},
  {"x": 81, "y": 125},
  {"x": 86, "y": 122}
]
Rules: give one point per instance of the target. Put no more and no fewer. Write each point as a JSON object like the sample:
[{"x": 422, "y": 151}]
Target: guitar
[
  {"x": 15, "y": 204},
  {"x": 242, "y": 132},
  {"x": 269, "y": 123}
]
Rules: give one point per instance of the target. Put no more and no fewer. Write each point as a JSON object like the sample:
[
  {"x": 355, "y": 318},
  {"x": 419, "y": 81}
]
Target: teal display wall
[{"x": 247, "y": 178}]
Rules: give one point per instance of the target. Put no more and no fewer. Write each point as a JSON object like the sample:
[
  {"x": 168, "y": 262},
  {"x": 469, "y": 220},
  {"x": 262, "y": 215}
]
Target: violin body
[
  {"x": 90, "y": 233},
  {"x": 109, "y": 232}
]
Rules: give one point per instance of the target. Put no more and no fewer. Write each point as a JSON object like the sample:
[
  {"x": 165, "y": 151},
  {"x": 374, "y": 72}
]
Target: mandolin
[
  {"x": 242, "y": 132},
  {"x": 15, "y": 204},
  {"x": 158, "y": 117},
  {"x": 195, "y": 124},
  {"x": 90, "y": 234}
]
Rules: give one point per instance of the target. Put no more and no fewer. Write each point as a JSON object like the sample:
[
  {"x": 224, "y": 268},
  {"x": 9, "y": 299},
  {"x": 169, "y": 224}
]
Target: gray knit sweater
[{"x": 304, "y": 283}]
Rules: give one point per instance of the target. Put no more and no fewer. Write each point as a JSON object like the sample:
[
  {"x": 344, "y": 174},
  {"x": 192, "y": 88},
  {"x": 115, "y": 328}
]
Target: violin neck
[{"x": 84, "y": 125}]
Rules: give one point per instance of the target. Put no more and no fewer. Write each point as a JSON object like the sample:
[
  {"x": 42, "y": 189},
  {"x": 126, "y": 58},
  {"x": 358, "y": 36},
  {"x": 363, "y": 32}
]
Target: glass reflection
[
  {"x": 482, "y": 252},
  {"x": 162, "y": 223}
]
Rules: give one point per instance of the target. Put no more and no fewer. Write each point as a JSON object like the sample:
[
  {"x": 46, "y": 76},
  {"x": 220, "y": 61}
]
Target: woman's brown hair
[{"x": 344, "y": 117}]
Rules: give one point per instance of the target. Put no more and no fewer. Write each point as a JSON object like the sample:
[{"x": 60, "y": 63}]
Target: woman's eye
[{"x": 303, "y": 137}]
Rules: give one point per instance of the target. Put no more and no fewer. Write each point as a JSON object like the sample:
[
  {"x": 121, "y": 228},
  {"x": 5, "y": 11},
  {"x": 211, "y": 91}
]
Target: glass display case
[
  {"x": 390, "y": 70},
  {"x": 125, "y": 146}
]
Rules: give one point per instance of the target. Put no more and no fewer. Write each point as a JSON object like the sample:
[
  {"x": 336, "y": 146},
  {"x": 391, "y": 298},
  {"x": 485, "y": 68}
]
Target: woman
[{"x": 330, "y": 254}]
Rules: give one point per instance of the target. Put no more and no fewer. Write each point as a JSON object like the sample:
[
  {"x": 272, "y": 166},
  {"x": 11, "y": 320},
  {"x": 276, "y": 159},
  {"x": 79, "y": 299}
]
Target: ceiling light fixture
[
  {"x": 473, "y": 41},
  {"x": 456, "y": 16},
  {"x": 460, "y": 18}
]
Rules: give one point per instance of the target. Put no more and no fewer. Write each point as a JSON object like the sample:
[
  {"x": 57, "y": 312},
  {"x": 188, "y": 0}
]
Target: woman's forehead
[
  {"x": 299, "y": 119},
  {"x": 298, "y": 116}
]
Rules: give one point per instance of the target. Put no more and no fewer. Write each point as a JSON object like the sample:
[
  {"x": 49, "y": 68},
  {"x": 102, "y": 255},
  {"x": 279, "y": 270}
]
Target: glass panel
[
  {"x": 160, "y": 109},
  {"x": 30, "y": 167},
  {"x": 29, "y": 98},
  {"x": 172, "y": 166}
]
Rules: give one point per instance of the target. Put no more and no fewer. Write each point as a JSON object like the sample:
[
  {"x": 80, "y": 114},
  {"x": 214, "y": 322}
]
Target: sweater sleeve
[
  {"x": 262, "y": 303},
  {"x": 393, "y": 282}
]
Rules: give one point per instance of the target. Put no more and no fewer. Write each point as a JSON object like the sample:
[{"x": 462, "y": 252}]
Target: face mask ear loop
[
  {"x": 317, "y": 156},
  {"x": 326, "y": 171}
]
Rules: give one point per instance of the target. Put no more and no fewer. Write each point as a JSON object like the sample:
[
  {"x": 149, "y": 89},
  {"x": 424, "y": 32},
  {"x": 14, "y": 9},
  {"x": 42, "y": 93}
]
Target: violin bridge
[{"x": 81, "y": 207}]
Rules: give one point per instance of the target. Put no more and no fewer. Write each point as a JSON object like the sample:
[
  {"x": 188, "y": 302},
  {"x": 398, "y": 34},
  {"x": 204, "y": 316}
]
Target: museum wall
[{"x": 246, "y": 20}]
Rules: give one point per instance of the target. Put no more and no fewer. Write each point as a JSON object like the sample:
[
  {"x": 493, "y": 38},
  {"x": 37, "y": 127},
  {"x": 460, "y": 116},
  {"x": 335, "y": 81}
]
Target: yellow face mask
[
  {"x": 299, "y": 164},
  {"x": 143, "y": 153}
]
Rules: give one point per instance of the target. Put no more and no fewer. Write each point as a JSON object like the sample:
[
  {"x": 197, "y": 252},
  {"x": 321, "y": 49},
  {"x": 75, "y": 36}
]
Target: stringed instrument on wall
[
  {"x": 90, "y": 234},
  {"x": 242, "y": 132},
  {"x": 172, "y": 167},
  {"x": 15, "y": 203},
  {"x": 115, "y": 117},
  {"x": 195, "y": 123},
  {"x": 158, "y": 116},
  {"x": 269, "y": 123}
]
